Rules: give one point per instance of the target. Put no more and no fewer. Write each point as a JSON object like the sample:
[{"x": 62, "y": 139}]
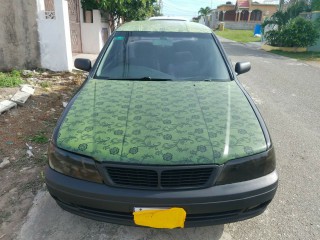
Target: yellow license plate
[{"x": 160, "y": 218}]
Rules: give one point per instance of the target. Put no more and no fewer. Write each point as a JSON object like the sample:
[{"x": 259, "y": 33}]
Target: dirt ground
[{"x": 23, "y": 128}]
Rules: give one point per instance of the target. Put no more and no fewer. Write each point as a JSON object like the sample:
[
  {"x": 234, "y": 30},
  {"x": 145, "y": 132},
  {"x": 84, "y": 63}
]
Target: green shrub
[
  {"x": 298, "y": 32},
  {"x": 281, "y": 18},
  {"x": 315, "y": 5},
  {"x": 11, "y": 79},
  {"x": 273, "y": 38},
  {"x": 39, "y": 138}
]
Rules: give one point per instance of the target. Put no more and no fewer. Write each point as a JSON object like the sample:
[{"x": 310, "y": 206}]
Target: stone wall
[
  {"x": 19, "y": 44},
  {"x": 240, "y": 25}
]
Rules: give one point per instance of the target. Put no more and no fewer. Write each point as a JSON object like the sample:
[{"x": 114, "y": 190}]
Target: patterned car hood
[{"x": 163, "y": 123}]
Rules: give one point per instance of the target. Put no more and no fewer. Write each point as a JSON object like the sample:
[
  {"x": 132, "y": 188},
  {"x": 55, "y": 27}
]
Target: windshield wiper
[
  {"x": 142, "y": 79},
  {"x": 216, "y": 80}
]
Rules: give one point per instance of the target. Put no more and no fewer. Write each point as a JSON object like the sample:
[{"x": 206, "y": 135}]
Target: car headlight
[
  {"x": 247, "y": 168},
  {"x": 73, "y": 165}
]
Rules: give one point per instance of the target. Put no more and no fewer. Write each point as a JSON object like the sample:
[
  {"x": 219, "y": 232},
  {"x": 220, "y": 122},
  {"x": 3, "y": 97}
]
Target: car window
[{"x": 163, "y": 55}]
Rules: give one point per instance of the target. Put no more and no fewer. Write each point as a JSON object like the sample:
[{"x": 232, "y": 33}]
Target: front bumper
[{"x": 208, "y": 206}]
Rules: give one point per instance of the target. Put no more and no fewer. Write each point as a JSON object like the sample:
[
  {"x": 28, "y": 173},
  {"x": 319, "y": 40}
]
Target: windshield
[{"x": 163, "y": 56}]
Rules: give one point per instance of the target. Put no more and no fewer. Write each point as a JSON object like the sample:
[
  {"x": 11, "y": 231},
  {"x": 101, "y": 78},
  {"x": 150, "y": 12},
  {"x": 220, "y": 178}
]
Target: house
[
  {"x": 48, "y": 33},
  {"x": 244, "y": 14}
]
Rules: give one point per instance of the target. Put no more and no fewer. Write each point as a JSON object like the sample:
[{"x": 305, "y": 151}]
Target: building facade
[
  {"x": 48, "y": 33},
  {"x": 242, "y": 15}
]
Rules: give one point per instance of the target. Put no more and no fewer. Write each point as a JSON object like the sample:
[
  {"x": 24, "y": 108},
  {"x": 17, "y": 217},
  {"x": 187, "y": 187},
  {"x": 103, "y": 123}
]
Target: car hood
[{"x": 161, "y": 123}]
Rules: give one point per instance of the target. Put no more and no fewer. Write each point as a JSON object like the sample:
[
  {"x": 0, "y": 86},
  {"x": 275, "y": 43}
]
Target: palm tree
[
  {"x": 204, "y": 12},
  {"x": 281, "y": 5}
]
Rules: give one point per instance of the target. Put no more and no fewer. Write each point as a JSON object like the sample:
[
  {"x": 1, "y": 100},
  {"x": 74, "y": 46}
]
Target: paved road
[{"x": 287, "y": 93}]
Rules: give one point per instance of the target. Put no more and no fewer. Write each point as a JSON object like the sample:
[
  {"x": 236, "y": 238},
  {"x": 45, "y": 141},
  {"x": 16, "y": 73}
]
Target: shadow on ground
[{"x": 48, "y": 221}]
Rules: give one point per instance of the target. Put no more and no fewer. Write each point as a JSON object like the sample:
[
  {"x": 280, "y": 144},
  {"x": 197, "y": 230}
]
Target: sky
[
  {"x": 187, "y": 8},
  {"x": 190, "y": 8}
]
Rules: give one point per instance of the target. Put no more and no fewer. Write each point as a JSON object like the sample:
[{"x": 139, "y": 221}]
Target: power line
[{"x": 170, "y": 4}]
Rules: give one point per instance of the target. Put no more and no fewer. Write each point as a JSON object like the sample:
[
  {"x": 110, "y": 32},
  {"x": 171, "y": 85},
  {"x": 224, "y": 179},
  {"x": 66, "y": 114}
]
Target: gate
[{"x": 75, "y": 32}]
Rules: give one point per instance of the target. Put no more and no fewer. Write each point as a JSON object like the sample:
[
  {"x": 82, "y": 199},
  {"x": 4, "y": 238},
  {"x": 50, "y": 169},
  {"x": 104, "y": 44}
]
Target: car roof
[
  {"x": 168, "y": 18},
  {"x": 164, "y": 26}
]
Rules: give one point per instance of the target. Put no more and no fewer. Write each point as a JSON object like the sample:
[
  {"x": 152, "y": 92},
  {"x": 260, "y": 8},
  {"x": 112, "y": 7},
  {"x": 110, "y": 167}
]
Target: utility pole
[
  {"x": 160, "y": 5},
  {"x": 281, "y": 3}
]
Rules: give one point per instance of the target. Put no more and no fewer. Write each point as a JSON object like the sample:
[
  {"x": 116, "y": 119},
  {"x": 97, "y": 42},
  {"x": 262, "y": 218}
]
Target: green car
[{"x": 162, "y": 123}]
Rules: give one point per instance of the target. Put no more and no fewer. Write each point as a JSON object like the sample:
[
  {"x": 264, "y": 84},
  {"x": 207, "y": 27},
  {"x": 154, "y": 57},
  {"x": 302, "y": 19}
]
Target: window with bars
[{"x": 49, "y": 9}]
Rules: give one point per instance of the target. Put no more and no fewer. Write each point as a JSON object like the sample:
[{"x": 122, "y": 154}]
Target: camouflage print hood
[{"x": 162, "y": 123}]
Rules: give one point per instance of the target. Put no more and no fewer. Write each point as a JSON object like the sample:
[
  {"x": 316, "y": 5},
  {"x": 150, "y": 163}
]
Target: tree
[
  {"x": 127, "y": 10},
  {"x": 315, "y": 5},
  {"x": 298, "y": 32},
  {"x": 137, "y": 9},
  {"x": 291, "y": 30},
  {"x": 281, "y": 18},
  {"x": 287, "y": 3},
  {"x": 157, "y": 9},
  {"x": 203, "y": 12},
  {"x": 281, "y": 5}
]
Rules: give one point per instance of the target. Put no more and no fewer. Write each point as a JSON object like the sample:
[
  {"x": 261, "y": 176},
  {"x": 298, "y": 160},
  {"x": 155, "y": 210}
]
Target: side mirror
[
  {"x": 242, "y": 67},
  {"x": 82, "y": 64}
]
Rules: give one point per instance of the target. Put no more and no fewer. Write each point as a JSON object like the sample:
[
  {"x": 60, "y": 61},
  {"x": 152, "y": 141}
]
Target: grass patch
[
  {"x": 39, "y": 138},
  {"x": 306, "y": 56},
  {"x": 243, "y": 36},
  {"x": 45, "y": 84},
  {"x": 11, "y": 79}
]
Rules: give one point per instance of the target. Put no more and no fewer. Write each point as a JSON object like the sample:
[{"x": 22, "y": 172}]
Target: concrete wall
[
  {"x": 54, "y": 37},
  {"x": 226, "y": 7},
  {"x": 19, "y": 46},
  {"x": 267, "y": 9},
  {"x": 240, "y": 25},
  {"x": 91, "y": 33}
]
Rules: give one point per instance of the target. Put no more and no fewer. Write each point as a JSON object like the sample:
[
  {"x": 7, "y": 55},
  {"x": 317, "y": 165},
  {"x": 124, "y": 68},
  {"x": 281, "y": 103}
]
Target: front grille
[
  {"x": 133, "y": 177},
  {"x": 176, "y": 177},
  {"x": 185, "y": 177}
]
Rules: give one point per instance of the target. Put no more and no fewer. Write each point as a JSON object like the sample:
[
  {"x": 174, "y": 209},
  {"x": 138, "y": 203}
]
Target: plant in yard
[
  {"x": 290, "y": 30},
  {"x": 203, "y": 12},
  {"x": 157, "y": 9},
  {"x": 39, "y": 138},
  {"x": 45, "y": 84},
  {"x": 89, "y": 4},
  {"x": 278, "y": 19},
  {"x": 281, "y": 18},
  {"x": 315, "y": 5},
  {"x": 11, "y": 79},
  {"x": 127, "y": 10},
  {"x": 298, "y": 32}
]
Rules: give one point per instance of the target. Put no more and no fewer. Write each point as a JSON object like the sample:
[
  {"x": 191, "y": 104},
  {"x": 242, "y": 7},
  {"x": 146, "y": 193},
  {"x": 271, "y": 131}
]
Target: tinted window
[{"x": 163, "y": 55}]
